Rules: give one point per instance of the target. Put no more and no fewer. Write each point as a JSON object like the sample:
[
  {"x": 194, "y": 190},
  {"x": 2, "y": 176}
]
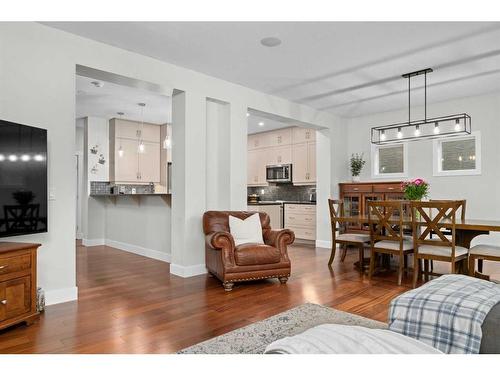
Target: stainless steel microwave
[{"x": 279, "y": 173}]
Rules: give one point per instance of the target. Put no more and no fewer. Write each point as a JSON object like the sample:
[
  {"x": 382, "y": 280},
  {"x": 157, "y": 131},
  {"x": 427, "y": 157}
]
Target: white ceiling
[
  {"x": 111, "y": 98},
  {"x": 347, "y": 68},
  {"x": 259, "y": 122}
]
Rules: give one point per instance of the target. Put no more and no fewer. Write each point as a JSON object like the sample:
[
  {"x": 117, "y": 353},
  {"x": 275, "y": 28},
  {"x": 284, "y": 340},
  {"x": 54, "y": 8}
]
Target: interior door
[{"x": 149, "y": 163}]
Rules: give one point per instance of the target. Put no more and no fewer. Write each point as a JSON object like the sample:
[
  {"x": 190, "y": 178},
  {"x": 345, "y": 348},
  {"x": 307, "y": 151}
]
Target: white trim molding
[
  {"x": 93, "y": 242},
  {"x": 139, "y": 250},
  {"x": 437, "y": 156},
  {"x": 324, "y": 244},
  {"x": 53, "y": 297},
  {"x": 188, "y": 271},
  {"x": 375, "y": 161}
]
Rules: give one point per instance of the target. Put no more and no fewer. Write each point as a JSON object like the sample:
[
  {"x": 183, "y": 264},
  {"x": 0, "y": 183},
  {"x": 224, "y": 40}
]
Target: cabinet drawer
[
  {"x": 300, "y": 208},
  {"x": 357, "y": 188},
  {"x": 308, "y": 220},
  {"x": 15, "y": 264},
  {"x": 302, "y": 232},
  {"x": 387, "y": 188}
]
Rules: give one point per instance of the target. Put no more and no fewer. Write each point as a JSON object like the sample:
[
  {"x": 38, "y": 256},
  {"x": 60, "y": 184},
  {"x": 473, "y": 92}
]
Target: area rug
[{"x": 254, "y": 338}]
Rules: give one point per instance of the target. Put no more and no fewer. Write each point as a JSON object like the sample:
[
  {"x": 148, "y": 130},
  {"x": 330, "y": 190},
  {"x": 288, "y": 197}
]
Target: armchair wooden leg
[
  {"x": 426, "y": 270},
  {"x": 332, "y": 255},
  {"x": 472, "y": 265},
  {"x": 283, "y": 279},
  {"x": 416, "y": 271},
  {"x": 228, "y": 286}
]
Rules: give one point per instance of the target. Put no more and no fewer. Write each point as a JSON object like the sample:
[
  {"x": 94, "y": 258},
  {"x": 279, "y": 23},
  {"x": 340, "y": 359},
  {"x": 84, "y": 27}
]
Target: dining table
[{"x": 465, "y": 230}]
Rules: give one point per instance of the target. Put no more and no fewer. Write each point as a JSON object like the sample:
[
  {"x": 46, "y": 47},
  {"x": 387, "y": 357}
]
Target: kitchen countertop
[
  {"x": 264, "y": 203},
  {"x": 127, "y": 194}
]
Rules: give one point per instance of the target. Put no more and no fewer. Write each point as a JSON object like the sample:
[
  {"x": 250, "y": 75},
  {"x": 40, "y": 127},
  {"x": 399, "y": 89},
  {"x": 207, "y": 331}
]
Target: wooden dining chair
[
  {"x": 385, "y": 219},
  {"x": 441, "y": 248},
  {"x": 344, "y": 239},
  {"x": 462, "y": 205},
  {"x": 480, "y": 253}
]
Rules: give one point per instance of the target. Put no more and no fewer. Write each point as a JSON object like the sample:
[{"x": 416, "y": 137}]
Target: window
[
  {"x": 389, "y": 161},
  {"x": 457, "y": 156}
]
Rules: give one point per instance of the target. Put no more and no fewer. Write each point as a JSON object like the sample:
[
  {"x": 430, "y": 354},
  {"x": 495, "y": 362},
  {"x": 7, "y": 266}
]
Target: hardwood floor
[{"x": 131, "y": 304}]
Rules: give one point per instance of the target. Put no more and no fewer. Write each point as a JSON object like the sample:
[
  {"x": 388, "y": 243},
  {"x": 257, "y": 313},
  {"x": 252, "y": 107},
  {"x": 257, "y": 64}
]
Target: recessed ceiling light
[
  {"x": 97, "y": 83},
  {"x": 248, "y": 114},
  {"x": 261, "y": 123},
  {"x": 270, "y": 41}
]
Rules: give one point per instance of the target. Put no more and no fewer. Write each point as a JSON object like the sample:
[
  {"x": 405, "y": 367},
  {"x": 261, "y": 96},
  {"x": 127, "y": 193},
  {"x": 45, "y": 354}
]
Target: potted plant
[
  {"x": 357, "y": 163},
  {"x": 415, "y": 190}
]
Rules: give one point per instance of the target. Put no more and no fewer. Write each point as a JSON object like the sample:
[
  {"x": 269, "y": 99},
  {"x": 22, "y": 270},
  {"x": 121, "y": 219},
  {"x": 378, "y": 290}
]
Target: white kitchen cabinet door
[
  {"x": 279, "y": 155},
  {"x": 300, "y": 164},
  {"x": 150, "y": 133},
  {"x": 126, "y": 166},
  {"x": 301, "y": 135},
  {"x": 279, "y": 137},
  {"x": 311, "y": 161},
  {"x": 252, "y": 161},
  {"x": 125, "y": 129},
  {"x": 149, "y": 163}
]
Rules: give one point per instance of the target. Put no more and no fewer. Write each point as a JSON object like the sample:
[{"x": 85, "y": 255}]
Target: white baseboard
[
  {"x": 56, "y": 296},
  {"x": 139, "y": 250},
  {"x": 188, "y": 271},
  {"x": 325, "y": 244},
  {"x": 93, "y": 242}
]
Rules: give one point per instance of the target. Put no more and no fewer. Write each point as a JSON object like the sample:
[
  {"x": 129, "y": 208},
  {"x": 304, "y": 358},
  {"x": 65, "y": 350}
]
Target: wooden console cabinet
[
  {"x": 355, "y": 196},
  {"x": 17, "y": 283}
]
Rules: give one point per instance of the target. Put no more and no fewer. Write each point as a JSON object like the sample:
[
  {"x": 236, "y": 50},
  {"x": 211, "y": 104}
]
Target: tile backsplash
[
  {"x": 104, "y": 188},
  {"x": 285, "y": 192}
]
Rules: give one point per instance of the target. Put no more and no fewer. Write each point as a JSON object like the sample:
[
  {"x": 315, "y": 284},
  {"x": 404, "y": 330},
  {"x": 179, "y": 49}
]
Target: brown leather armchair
[{"x": 230, "y": 263}]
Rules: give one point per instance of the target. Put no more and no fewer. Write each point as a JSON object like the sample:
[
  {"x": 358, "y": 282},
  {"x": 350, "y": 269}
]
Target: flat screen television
[{"x": 23, "y": 179}]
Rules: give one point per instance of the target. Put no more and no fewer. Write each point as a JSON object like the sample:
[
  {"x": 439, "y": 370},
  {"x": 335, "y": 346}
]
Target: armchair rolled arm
[
  {"x": 279, "y": 238},
  {"x": 219, "y": 240}
]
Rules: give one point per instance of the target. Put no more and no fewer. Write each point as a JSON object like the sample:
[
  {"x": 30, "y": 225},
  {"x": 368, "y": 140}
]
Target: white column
[
  {"x": 238, "y": 148},
  {"x": 188, "y": 183},
  {"x": 323, "y": 187}
]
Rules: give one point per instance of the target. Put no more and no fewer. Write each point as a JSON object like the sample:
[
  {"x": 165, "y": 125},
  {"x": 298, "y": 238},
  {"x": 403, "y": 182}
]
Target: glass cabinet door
[
  {"x": 352, "y": 207},
  {"x": 367, "y": 198}
]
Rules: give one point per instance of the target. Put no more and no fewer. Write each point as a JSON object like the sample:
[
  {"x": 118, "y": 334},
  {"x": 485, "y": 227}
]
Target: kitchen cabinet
[
  {"x": 301, "y": 219},
  {"x": 256, "y": 169},
  {"x": 301, "y": 135},
  {"x": 132, "y": 166},
  {"x": 304, "y": 163},
  {"x": 279, "y": 155},
  {"x": 274, "y": 211}
]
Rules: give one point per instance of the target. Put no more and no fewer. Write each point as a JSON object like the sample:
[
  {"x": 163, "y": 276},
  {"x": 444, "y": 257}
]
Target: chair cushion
[
  {"x": 246, "y": 230},
  {"x": 353, "y": 237},
  {"x": 252, "y": 254},
  {"x": 443, "y": 251},
  {"x": 490, "y": 250},
  {"x": 394, "y": 245}
]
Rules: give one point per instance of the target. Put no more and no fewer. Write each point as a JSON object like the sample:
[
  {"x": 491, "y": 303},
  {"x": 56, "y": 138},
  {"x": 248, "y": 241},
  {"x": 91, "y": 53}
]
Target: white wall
[{"x": 37, "y": 76}]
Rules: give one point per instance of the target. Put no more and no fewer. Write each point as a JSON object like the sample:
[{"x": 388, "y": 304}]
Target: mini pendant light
[
  {"x": 120, "y": 150},
  {"x": 400, "y": 133},
  {"x": 457, "y": 125},
  {"x": 436, "y": 128},
  {"x": 141, "y": 147}
]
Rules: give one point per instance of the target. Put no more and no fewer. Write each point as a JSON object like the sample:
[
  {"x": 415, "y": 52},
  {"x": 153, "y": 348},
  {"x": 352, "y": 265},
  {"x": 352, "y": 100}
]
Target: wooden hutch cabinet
[{"x": 355, "y": 196}]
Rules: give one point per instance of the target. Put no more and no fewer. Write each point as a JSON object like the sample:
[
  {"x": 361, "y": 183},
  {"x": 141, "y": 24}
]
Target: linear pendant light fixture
[{"x": 413, "y": 130}]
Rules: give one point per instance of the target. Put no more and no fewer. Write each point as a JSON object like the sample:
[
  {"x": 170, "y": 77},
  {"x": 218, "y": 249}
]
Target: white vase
[{"x": 355, "y": 179}]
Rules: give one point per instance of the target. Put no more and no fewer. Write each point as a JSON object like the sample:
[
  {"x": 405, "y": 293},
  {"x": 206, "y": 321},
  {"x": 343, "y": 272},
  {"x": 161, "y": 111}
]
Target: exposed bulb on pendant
[
  {"x": 120, "y": 152},
  {"x": 141, "y": 147},
  {"x": 436, "y": 128},
  {"x": 400, "y": 133},
  {"x": 417, "y": 131},
  {"x": 382, "y": 135},
  {"x": 457, "y": 125},
  {"x": 167, "y": 143}
]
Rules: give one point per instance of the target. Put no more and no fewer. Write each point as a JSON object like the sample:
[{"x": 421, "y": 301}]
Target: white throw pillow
[{"x": 246, "y": 231}]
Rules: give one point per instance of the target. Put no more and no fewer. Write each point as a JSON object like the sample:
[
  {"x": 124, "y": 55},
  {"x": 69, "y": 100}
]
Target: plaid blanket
[{"x": 446, "y": 313}]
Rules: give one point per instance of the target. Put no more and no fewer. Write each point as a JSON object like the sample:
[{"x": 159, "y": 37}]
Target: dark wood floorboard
[{"x": 131, "y": 304}]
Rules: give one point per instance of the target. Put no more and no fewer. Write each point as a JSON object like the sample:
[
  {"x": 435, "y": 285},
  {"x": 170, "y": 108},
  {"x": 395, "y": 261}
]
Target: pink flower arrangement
[{"x": 416, "y": 189}]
